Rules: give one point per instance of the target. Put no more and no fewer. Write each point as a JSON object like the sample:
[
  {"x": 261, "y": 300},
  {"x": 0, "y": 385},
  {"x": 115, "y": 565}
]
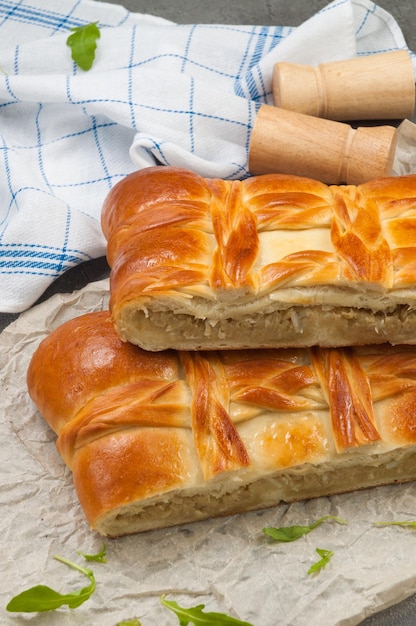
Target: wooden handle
[
  {"x": 287, "y": 142},
  {"x": 378, "y": 86}
]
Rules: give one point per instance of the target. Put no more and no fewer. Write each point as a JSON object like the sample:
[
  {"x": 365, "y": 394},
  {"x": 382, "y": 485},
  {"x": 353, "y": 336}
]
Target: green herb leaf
[
  {"x": 83, "y": 43},
  {"x": 291, "y": 533},
  {"x": 100, "y": 557},
  {"x": 323, "y": 561},
  {"x": 129, "y": 622},
  {"x": 197, "y": 616},
  {"x": 42, "y": 598},
  {"x": 411, "y": 524}
]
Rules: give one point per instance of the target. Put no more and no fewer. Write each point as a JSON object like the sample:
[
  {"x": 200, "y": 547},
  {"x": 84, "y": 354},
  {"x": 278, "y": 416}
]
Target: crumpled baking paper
[
  {"x": 227, "y": 564},
  {"x": 405, "y": 156}
]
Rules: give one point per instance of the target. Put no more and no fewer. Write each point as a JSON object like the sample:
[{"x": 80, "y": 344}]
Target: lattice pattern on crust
[
  {"x": 260, "y": 234},
  {"x": 132, "y": 424},
  {"x": 291, "y": 392},
  {"x": 301, "y": 387},
  {"x": 232, "y": 388}
]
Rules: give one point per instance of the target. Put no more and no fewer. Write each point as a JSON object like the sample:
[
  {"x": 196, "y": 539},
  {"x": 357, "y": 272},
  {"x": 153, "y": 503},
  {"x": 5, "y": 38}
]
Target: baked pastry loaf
[
  {"x": 164, "y": 438},
  {"x": 270, "y": 261}
]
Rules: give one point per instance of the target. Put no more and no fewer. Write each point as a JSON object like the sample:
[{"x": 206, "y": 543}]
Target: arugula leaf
[
  {"x": 291, "y": 533},
  {"x": 198, "y": 617},
  {"x": 100, "y": 557},
  {"x": 323, "y": 561},
  {"x": 83, "y": 43},
  {"x": 129, "y": 622},
  {"x": 411, "y": 524},
  {"x": 42, "y": 598}
]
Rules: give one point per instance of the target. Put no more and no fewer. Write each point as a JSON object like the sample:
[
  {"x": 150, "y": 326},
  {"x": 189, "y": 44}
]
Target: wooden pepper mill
[
  {"x": 288, "y": 142},
  {"x": 374, "y": 87}
]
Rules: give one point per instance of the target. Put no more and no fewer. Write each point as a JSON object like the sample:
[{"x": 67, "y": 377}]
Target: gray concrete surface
[{"x": 278, "y": 12}]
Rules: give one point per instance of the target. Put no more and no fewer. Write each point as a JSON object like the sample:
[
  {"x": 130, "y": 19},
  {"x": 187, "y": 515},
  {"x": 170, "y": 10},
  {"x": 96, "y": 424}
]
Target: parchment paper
[
  {"x": 226, "y": 564},
  {"x": 405, "y": 156}
]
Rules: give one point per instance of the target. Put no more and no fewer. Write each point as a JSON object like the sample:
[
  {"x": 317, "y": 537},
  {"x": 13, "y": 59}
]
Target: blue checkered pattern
[{"x": 158, "y": 92}]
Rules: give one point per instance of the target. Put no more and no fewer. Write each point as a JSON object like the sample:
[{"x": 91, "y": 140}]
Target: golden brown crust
[
  {"x": 217, "y": 441},
  {"x": 194, "y": 260},
  {"x": 155, "y": 439},
  {"x": 81, "y": 361}
]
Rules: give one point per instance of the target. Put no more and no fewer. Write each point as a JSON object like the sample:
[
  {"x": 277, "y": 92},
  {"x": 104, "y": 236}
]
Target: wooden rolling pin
[
  {"x": 287, "y": 142},
  {"x": 375, "y": 87}
]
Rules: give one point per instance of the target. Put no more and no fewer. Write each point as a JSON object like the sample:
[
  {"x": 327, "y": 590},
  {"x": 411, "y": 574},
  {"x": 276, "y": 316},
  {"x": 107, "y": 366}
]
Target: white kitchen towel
[{"x": 158, "y": 92}]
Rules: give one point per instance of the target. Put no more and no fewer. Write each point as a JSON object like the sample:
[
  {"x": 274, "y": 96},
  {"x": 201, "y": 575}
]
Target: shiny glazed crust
[
  {"x": 164, "y": 438},
  {"x": 270, "y": 261}
]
